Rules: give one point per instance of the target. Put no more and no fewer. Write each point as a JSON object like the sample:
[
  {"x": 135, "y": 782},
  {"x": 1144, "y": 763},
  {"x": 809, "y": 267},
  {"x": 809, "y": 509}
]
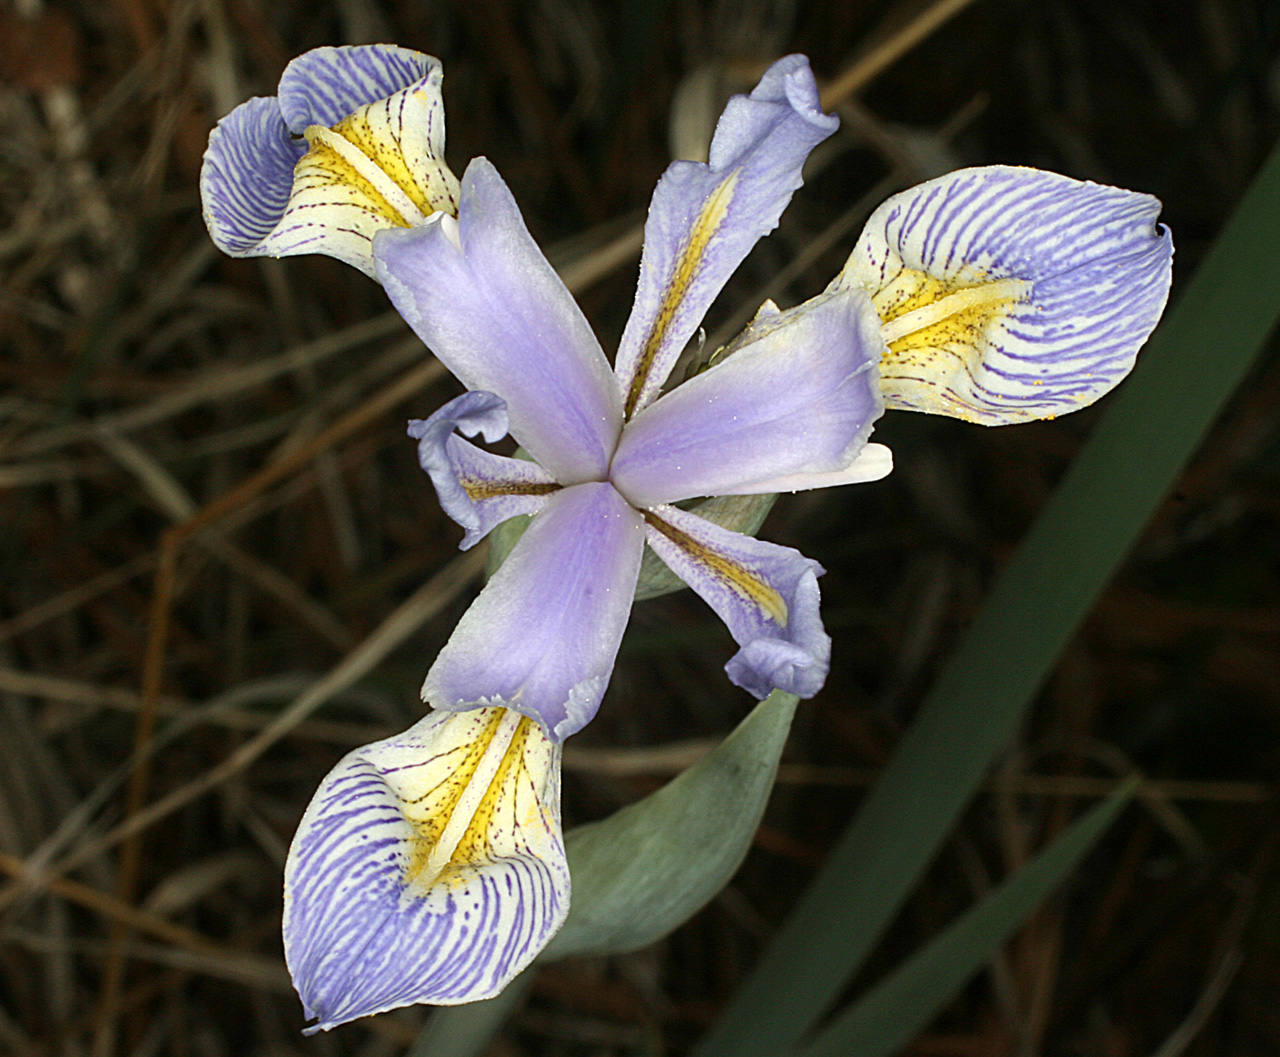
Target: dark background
[{"x": 114, "y": 302}]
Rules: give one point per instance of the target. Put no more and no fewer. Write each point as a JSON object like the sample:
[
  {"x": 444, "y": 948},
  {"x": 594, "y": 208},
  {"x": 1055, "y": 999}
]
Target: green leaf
[
  {"x": 1154, "y": 423},
  {"x": 904, "y": 1003},
  {"x": 648, "y": 868}
]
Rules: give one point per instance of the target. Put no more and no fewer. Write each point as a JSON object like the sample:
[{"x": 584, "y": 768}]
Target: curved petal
[
  {"x": 478, "y": 489},
  {"x": 1011, "y": 294},
  {"x": 428, "y": 867},
  {"x": 324, "y": 85},
  {"x": 704, "y": 219},
  {"x": 484, "y": 298},
  {"x": 798, "y": 398},
  {"x": 542, "y": 637},
  {"x": 380, "y": 165},
  {"x": 873, "y": 462},
  {"x": 246, "y": 176},
  {"x": 767, "y": 596}
]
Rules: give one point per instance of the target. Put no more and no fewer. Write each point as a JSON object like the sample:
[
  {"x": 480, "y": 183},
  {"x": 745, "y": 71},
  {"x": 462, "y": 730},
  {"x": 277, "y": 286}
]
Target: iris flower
[{"x": 430, "y": 867}]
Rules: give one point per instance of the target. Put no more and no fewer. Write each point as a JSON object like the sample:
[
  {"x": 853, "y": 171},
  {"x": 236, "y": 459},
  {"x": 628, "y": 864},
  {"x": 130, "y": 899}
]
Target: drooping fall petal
[
  {"x": 1011, "y": 294},
  {"x": 428, "y": 867}
]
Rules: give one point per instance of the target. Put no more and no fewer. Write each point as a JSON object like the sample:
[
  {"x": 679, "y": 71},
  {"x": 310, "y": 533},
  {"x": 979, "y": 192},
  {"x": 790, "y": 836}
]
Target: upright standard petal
[
  {"x": 478, "y": 489},
  {"x": 704, "y": 219},
  {"x": 542, "y": 637},
  {"x": 484, "y": 298},
  {"x": 325, "y": 85},
  {"x": 767, "y": 596},
  {"x": 1011, "y": 294},
  {"x": 428, "y": 867},
  {"x": 365, "y": 161},
  {"x": 798, "y": 398}
]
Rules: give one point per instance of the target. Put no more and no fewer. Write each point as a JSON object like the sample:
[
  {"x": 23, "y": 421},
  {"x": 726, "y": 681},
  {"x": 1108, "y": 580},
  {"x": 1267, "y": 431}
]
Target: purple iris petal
[
  {"x": 247, "y": 175},
  {"x": 325, "y": 85},
  {"x": 542, "y": 637},
  {"x": 364, "y": 933},
  {"x": 478, "y": 489},
  {"x": 766, "y": 594},
  {"x": 495, "y": 312},
  {"x": 704, "y": 219},
  {"x": 799, "y": 398},
  {"x": 1098, "y": 265}
]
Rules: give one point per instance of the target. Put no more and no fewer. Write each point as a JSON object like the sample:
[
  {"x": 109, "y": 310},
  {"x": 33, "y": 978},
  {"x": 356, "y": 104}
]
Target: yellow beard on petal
[
  {"x": 744, "y": 583},
  {"x": 347, "y": 182},
  {"x": 937, "y": 335},
  {"x": 377, "y": 168},
  {"x": 374, "y": 131},
  {"x": 481, "y": 787}
]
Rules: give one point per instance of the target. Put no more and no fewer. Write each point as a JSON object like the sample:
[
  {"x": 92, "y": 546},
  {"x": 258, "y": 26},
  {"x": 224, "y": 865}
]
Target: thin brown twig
[
  {"x": 885, "y": 54},
  {"x": 421, "y": 606},
  {"x": 158, "y": 627}
]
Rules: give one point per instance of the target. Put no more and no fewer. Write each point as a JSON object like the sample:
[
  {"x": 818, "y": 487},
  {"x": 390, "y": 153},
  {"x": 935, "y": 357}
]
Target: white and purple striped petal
[
  {"x": 767, "y": 595},
  {"x": 1011, "y": 294},
  {"x": 489, "y": 305},
  {"x": 428, "y": 867},
  {"x": 704, "y": 219},
  {"x": 247, "y": 175},
  {"x": 325, "y": 85},
  {"x": 798, "y": 398},
  {"x": 354, "y": 143},
  {"x": 478, "y": 489},
  {"x": 542, "y": 636}
]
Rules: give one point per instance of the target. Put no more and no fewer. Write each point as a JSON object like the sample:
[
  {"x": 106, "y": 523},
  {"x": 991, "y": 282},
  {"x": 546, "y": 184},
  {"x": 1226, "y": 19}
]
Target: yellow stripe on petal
[
  {"x": 714, "y": 210},
  {"x": 744, "y": 583},
  {"x": 478, "y": 488},
  {"x": 489, "y": 781},
  {"x": 375, "y": 169},
  {"x": 938, "y": 332}
]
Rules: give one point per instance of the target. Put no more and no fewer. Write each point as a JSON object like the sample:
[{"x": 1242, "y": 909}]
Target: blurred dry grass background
[{"x": 228, "y": 437}]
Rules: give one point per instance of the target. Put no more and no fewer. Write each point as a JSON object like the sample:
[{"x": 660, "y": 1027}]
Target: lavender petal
[
  {"x": 704, "y": 219},
  {"x": 799, "y": 397},
  {"x": 478, "y": 489},
  {"x": 542, "y": 636},
  {"x": 484, "y": 298},
  {"x": 767, "y": 595}
]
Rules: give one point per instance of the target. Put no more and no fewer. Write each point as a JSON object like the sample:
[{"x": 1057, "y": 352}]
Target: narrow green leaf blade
[
  {"x": 1154, "y": 423},
  {"x": 904, "y": 1003},
  {"x": 646, "y": 869}
]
